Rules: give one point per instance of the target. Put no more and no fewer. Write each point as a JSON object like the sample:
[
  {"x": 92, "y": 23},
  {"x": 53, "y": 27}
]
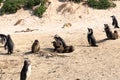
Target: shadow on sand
[
  {"x": 4, "y": 54},
  {"x": 49, "y": 49},
  {"x": 103, "y": 40},
  {"x": 29, "y": 52}
]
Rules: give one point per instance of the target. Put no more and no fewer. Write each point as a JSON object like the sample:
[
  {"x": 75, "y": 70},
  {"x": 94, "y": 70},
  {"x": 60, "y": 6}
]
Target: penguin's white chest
[{"x": 29, "y": 71}]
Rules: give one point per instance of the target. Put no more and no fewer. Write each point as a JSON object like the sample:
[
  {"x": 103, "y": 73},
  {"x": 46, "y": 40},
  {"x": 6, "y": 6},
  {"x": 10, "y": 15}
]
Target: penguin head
[
  {"x": 8, "y": 36},
  {"x": 36, "y": 41},
  {"x": 112, "y": 16},
  {"x": 56, "y": 37},
  {"x": 27, "y": 62},
  {"x": 106, "y": 26},
  {"x": 90, "y": 30}
]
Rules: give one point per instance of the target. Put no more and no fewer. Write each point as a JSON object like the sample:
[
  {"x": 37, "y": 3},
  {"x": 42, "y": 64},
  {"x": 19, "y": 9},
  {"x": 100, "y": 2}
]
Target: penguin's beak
[{"x": 112, "y": 16}]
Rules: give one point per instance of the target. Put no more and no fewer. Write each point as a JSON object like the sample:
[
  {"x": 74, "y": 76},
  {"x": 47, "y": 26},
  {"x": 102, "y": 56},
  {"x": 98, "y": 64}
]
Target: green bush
[
  {"x": 40, "y": 10},
  {"x": 11, "y": 6},
  {"x": 100, "y": 4},
  {"x": 1, "y": 1},
  {"x": 36, "y": 2},
  {"x": 76, "y": 1},
  {"x": 30, "y": 3}
]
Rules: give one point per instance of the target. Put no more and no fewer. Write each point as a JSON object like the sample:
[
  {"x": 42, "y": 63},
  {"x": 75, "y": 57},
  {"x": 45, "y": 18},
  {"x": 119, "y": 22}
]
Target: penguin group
[
  {"x": 59, "y": 45},
  {"x": 109, "y": 34}
]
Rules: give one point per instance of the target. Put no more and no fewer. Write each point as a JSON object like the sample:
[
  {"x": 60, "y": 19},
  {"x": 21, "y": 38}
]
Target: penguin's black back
[
  {"x": 23, "y": 74},
  {"x": 10, "y": 43}
]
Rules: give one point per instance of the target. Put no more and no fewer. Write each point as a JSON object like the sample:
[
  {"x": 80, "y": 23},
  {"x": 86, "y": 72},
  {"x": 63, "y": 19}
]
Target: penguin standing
[
  {"x": 108, "y": 31},
  {"x": 114, "y": 22},
  {"x": 26, "y": 70},
  {"x": 9, "y": 45},
  {"x": 91, "y": 39}
]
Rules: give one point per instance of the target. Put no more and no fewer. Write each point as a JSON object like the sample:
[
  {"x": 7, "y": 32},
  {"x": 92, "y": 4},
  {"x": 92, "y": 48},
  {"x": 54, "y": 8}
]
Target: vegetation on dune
[
  {"x": 76, "y": 1},
  {"x": 97, "y": 4},
  {"x": 11, "y": 6},
  {"x": 1, "y": 1},
  {"x": 101, "y": 4},
  {"x": 32, "y": 3},
  {"x": 39, "y": 11}
]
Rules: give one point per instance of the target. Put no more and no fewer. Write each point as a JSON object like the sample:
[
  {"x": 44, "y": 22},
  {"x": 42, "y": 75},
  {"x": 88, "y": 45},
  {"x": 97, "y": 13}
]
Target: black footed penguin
[
  {"x": 114, "y": 22},
  {"x": 91, "y": 38},
  {"x": 9, "y": 45},
  {"x": 115, "y": 35},
  {"x": 35, "y": 47},
  {"x": 58, "y": 38},
  {"x": 108, "y": 31},
  {"x": 26, "y": 70},
  {"x": 60, "y": 45}
]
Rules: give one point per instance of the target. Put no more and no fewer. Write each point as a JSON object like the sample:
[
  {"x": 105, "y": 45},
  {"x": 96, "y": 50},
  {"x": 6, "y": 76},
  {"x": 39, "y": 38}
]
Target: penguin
[
  {"x": 60, "y": 45},
  {"x": 9, "y": 45},
  {"x": 35, "y": 47},
  {"x": 26, "y": 70},
  {"x": 114, "y": 22},
  {"x": 57, "y": 45},
  {"x": 69, "y": 49},
  {"x": 59, "y": 39},
  {"x": 108, "y": 32},
  {"x": 115, "y": 35},
  {"x": 91, "y": 39}
]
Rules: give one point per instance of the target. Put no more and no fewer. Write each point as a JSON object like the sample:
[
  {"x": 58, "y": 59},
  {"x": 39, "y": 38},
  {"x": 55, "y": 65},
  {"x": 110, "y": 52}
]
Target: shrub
[
  {"x": 31, "y": 3},
  {"x": 1, "y": 1},
  {"x": 40, "y": 10},
  {"x": 11, "y": 6},
  {"x": 76, "y": 1},
  {"x": 100, "y": 4},
  {"x": 36, "y": 2}
]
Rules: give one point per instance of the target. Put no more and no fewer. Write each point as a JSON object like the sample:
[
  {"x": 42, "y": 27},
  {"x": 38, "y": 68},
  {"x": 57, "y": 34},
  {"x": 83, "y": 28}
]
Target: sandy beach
[{"x": 85, "y": 63}]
